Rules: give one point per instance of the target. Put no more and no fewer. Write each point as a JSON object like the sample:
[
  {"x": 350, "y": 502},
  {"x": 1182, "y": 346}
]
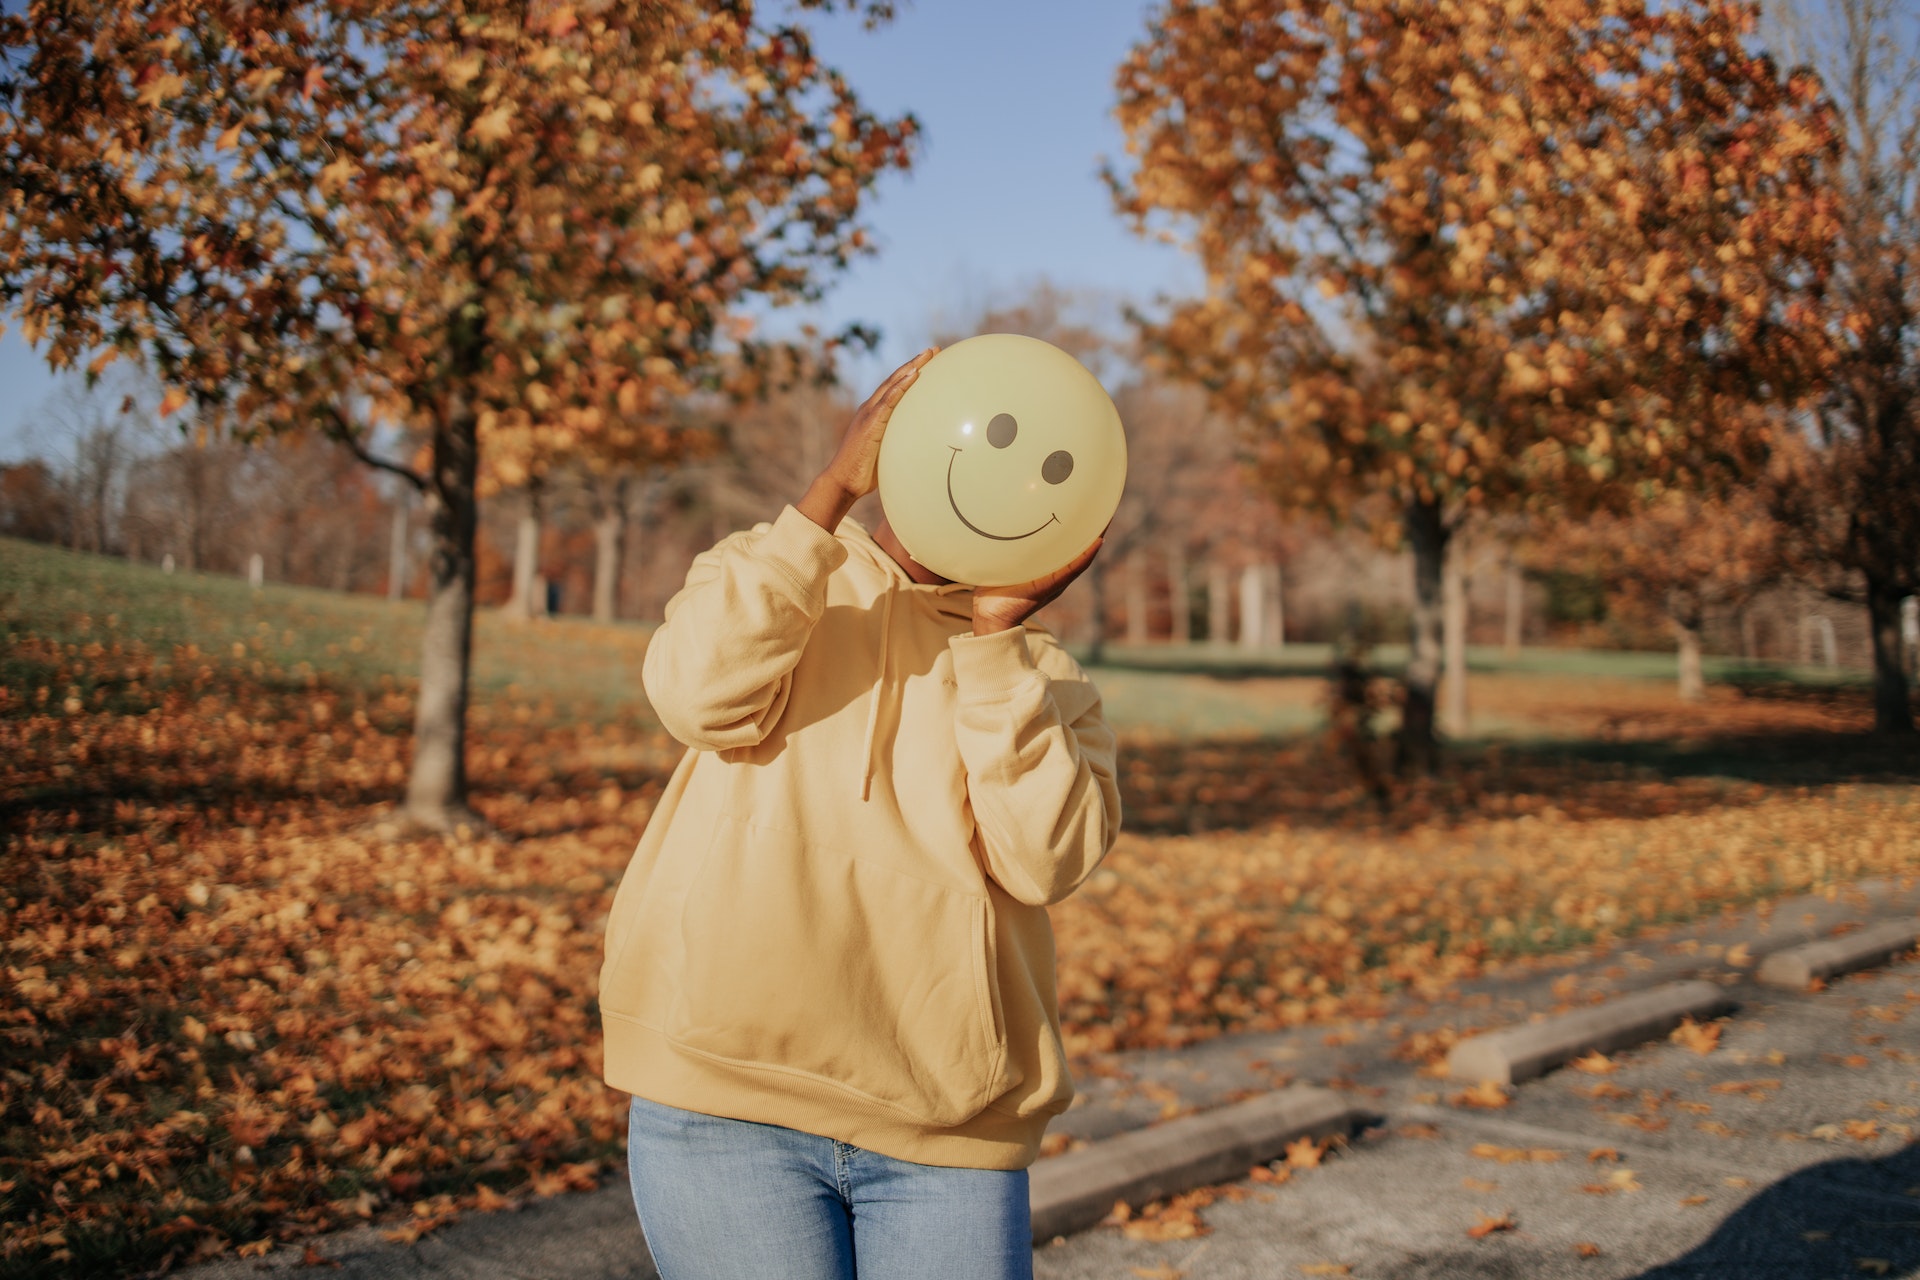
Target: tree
[
  {"x": 1849, "y": 495},
  {"x": 1685, "y": 558},
  {"x": 506, "y": 228},
  {"x": 1474, "y": 256}
]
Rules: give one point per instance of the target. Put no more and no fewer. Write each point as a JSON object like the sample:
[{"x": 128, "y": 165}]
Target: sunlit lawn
[{"x": 237, "y": 1011}]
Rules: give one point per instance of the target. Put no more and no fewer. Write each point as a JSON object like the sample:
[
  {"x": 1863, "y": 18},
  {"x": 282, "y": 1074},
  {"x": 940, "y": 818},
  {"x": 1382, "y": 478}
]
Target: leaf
[
  {"x": 1596, "y": 1064},
  {"x": 1325, "y": 1269},
  {"x": 495, "y": 125},
  {"x": 1514, "y": 1155},
  {"x": 1305, "y": 1153},
  {"x": 1489, "y": 1225},
  {"x": 1486, "y": 1095},
  {"x": 160, "y": 88},
  {"x": 172, "y": 401},
  {"x": 1586, "y": 1249},
  {"x": 229, "y": 137},
  {"x": 1697, "y": 1037}
]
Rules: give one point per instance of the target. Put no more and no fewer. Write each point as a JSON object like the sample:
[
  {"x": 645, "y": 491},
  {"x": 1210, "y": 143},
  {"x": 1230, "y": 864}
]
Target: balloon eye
[
  {"x": 1057, "y": 467},
  {"x": 1002, "y": 430}
]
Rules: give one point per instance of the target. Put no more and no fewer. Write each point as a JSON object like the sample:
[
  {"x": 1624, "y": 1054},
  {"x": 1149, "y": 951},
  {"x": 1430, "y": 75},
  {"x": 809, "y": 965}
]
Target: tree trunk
[
  {"x": 1892, "y": 713},
  {"x": 1179, "y": 602},
  {"x": 1693, "y": 682},
  {"x": 1253, "y": 612},
  {"x": 1219, "y": 604},
  {"x": 609, "y": 535},
  {"x": 527, "y": 601},
  {"x": 397, "y": 553},
  {"x": 1136, "y": 590},
  {"x": 1453, "y": 602},
  {"x": 437, "y": 788},
  {"x": 1418, "y": 750},
  {"x": 1273, "y": 614},
  {"x": 1516, "y": 608}
]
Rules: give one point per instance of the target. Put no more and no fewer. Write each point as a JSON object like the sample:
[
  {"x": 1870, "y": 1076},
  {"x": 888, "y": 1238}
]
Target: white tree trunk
[
  {"x": 529, "y": 599},
  {"x": 1178, "y": 603},
  {"x": 1693, "y": 681},
  {"x": 1219, "y": 603},
  {"x": 1818, "y": 628},
  {"x": 1253, "y": 608},
  {"x": 609, "y": 532},
  {"x": 1453, "y": 641}
]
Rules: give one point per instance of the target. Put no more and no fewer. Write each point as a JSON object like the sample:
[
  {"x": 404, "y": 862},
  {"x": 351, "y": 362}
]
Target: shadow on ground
[
  {"x": 1840, "y": 1218},
  {"x": 1171, "y": 787}
]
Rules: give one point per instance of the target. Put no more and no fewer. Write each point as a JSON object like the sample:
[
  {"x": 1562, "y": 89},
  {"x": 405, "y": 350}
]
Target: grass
[{"x": 575, "y": 666}]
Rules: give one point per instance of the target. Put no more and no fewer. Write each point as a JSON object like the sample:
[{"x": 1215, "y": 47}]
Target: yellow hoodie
[{"x": 836, "y": 919}]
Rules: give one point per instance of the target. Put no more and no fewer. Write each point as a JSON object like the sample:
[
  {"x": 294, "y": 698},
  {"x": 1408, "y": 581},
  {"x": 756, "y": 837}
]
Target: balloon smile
[{"x": 997, "y": 537}]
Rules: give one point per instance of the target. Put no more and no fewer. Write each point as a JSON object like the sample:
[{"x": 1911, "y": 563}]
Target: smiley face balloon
[{"x": 1003, "y": 461}]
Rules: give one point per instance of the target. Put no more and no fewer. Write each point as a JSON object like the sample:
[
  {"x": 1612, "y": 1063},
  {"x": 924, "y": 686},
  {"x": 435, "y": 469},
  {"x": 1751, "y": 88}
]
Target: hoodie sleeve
[
  {"x": 1039, "y": 759},
  {"x": 719, "y": 669}
]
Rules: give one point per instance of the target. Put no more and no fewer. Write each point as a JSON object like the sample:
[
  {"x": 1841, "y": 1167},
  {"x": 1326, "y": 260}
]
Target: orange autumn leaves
[
  {"x": 236, "y": 1015},
  {"x": 548, "y": 214},
  {"x": 1181, "y": 938},
  {"x": 1526, "y": 254}
]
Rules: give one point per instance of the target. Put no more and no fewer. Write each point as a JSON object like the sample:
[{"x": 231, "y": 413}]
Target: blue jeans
[{"x": 731, "y": 1200}]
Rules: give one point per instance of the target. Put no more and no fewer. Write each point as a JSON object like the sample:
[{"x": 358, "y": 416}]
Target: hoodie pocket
[{"x": 806, "y": 959}]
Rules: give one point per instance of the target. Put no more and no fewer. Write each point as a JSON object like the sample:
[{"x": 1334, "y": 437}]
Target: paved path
[
  {"x": 1763, "y": 1182},
  {"x": 1766, "y": 1181}
]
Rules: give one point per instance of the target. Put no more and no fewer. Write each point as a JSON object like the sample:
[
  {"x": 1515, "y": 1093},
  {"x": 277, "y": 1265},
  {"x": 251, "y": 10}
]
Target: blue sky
[{"x": 1015, "y": 97}]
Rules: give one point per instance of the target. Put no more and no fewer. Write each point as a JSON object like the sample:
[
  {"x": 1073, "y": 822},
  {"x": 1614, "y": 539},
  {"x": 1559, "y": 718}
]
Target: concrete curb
[
  {"x": 1796, "y": 967},
  {"x": 1514, "y": 1054},
  {"x": 1074, "y": 1191}
]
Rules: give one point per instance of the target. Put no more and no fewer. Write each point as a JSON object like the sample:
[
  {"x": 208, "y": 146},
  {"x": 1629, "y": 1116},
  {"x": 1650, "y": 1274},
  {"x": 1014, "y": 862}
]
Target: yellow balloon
[{"x": 1004, "y": 460}]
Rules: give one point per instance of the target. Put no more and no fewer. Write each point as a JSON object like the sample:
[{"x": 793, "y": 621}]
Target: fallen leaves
[
  {"x": 1697, "y": 1037},
  {"x": 1487, "y": 1096},
  {"x": 1491, "y": 1225},
  {"x": 1595, "y": 1063},
  {"x": 236, "y": 1011},
  {"x": 1586, "y": 1249},
  {"x": 1175, "y": 1218},
  {"x": 1325, "y": 906},
  {"x": 1514, "y": 1155},
  {"x": 1305, "y": 1153},
  {"x": 1755, "y": 1090}
]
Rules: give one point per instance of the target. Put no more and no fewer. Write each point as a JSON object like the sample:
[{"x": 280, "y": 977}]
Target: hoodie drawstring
[{"x": 879, "y": 690}]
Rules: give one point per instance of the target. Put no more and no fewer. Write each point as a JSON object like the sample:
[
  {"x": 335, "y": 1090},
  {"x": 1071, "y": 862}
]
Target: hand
[
  {"x": 1003, "y": 608},
  {"x": 855, "y": 470}
]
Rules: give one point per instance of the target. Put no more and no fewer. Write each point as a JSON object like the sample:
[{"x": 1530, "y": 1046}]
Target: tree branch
[{"x": 341, "y": 430}]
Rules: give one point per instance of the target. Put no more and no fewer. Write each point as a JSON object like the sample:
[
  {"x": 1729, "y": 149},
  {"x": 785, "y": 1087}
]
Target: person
[{"x": 829, "y": 980}]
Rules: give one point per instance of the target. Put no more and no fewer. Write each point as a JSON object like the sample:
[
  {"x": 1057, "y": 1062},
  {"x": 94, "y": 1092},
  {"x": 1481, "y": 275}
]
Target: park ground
[{"x": 241, "y": 1008}]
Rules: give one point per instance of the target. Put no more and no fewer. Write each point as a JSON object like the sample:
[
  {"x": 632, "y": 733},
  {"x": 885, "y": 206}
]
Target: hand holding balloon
[
  {"x": 1004, "y": 460},
  {"x": 1003, "y": 608},
  {"x": 854, "y": 471}
]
